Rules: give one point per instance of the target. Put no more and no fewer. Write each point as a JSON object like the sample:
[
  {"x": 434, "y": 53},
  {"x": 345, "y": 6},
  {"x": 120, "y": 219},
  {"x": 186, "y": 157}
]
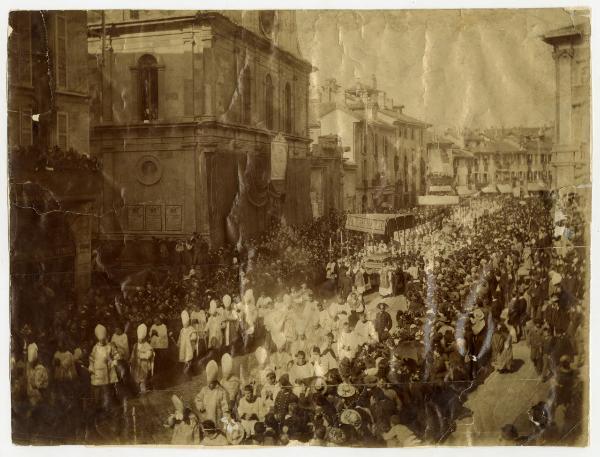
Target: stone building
[
  {"x": 571, "y": 152},
  {"x": 201, "y": 122},
  {"x": 53, "y": 184},
  {"x": 511, "y": 159},
  {"x": 386, "y": 145},
  {"x": 327, "y": 176}
]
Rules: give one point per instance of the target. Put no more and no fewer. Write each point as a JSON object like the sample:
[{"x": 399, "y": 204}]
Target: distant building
[
  {"x": 53, "y": 184},
  {"x": 496, "y": 160},
  {"x": 327, "y": 176},
  {"x": 386, "y": 145},
  {"x": 571, "y": 151},
  {"x": 510, "y": 159},
  {"x": 201, "y": 120}
]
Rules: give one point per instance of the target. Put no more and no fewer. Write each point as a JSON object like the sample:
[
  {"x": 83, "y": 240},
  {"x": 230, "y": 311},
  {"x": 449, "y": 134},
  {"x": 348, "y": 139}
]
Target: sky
[{"x": 451, "y": 68}]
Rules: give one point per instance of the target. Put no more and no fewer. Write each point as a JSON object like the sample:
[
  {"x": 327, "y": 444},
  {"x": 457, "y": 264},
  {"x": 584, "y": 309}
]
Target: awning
[
  {"x": 440, "y": 189},
  {"x": 505, "y": 188},
  {"x": 536, "y": 187},
  {"x": 378, "y": 223},
  {"x": 437, "y": 200},
  {"x": 490, "y": 189},
  {"x": 464, "y": 191}
]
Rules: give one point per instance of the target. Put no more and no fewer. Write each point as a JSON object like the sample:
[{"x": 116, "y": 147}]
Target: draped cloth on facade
[
  {"x": 251, "y": 207},
  {"x": 260, "y": 202}
]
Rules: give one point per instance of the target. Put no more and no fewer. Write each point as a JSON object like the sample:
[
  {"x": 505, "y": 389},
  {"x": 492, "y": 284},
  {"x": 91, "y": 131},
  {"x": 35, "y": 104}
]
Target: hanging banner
[
  {"x": 279, "y": 155},
  {"x": 435, "y": 200}
]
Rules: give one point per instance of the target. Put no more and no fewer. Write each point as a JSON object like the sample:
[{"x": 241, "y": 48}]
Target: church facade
[{"x": 200, "y": 119}]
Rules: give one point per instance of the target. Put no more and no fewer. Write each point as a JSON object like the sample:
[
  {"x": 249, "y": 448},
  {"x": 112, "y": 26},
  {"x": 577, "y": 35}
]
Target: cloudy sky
[{"x": 449, "y": 67}]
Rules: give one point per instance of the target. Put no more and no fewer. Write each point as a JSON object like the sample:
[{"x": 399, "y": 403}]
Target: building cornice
[{"x": 213, "y": 19}]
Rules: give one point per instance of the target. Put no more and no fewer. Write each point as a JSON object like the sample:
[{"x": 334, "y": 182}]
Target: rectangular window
[
  {"x": 60, "y": 51},
  {"x": 14, "y": 129},
  {"x": 62, "y": 130},
  {"x": 134, "y": 14},
  {"x": 25, "y": 48},
  {"x": 19, "y": 48},
  {"x": 26, "y": 128}
]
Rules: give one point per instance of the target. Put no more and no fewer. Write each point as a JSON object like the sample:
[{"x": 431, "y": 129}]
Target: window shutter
[
  {"x": 25, "y": 49},
  {"x": 61, "y": 50},
  {"x": 62, "y": 128},
  {"x": 26, "y": 129},
  {"x": 14, "y": 128}
]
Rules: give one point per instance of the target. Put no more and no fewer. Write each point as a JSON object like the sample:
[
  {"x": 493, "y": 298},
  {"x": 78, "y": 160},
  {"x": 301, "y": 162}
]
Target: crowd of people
[
  {"x": 51, "y": 159},
  {"x": 292, "y": 346}
]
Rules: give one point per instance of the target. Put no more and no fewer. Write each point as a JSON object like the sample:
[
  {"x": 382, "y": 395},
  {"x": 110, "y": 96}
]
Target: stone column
[{"x": 563, "y": 160}]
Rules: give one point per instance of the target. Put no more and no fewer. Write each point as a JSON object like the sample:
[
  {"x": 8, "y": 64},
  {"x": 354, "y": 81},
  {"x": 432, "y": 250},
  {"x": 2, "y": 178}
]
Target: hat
[
  {"x": 382, "y": 305},
  {"x": 226, "y": 365},
  {"x": 346, "y": 390},
  {"x": 350, "y": 417},
  {"x": 100, "y": 332},
  {"x": 279, "y": 339},
  {"x": 336, "y": 436},
  {"x": 248, "y": 295},
  {"x": 208, "y": 426},
  {"x": 32, "y": 353},
  {"x": 142, "y": 331},
  {"x": 185, "y": 317},
  {"x": 261, "y": 355},
  {"x": 177, "y": 403},
  {"x": 211, "y": 371}
]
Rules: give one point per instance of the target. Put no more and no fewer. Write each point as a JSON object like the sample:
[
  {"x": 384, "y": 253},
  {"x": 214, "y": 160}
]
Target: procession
[
  {"x": 335, "y": 228},
  {"x": 338, "y": 362}
]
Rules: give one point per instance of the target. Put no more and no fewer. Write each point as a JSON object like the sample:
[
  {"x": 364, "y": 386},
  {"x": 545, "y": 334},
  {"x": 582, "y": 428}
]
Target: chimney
[
  {"x": 374, "y": 81},
  {"x": 398, "y": 108}
]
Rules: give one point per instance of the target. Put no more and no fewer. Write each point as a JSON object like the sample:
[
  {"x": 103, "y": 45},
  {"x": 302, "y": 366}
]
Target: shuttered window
[
  {"x": 26, "y": 129},
  {"x": 269, "y": 100},
  {"x": 19, "y": 48},
  {"x": 61, "y": 50},
  {"x": 62, "y": 130},
  {"x": 14, "y": 129},
  {"x": 25, "y": 48}
]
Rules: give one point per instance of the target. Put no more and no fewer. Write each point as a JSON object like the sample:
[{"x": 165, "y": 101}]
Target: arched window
[
  {"x": 405, "y": 176},
  {"x": 247, "y": 97},
  {"x": 269, "y": 102},
  {"x": 148, "y": 87},
  {"x": 287, "y": 97}
]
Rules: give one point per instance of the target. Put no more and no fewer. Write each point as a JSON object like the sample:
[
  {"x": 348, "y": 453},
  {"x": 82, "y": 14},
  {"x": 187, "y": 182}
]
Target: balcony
[{"x": 68, "y": 177}]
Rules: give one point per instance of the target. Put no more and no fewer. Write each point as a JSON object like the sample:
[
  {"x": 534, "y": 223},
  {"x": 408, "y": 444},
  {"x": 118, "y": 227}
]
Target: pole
[
  {"x": 102, "y": 57},
  {"x": 134, "y": 425}
]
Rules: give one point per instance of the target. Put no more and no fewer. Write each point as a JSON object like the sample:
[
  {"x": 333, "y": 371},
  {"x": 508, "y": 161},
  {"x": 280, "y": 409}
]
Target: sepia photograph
[{"x": 288, "y": 227}]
